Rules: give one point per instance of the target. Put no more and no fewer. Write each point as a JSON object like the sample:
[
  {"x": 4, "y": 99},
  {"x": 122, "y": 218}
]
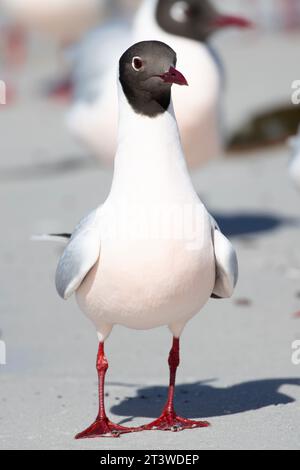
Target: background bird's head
[{"x": 194, "y": 19}]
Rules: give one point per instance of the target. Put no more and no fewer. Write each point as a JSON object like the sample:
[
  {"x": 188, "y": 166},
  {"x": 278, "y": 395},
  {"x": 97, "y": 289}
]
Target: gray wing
[
  {"x": 80, "y": 255},
  {"x": 226, "y": 265}
]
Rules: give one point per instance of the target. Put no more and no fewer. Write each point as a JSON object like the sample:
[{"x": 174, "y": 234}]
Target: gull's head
[
  {"x": 147, "y": 71},
  {"x": 194, "y": 19}
]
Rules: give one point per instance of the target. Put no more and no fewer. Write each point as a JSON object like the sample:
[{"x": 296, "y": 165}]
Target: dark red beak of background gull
[
  {"x": 174, "y": 76},
  {"x": 225, "y": 21}
]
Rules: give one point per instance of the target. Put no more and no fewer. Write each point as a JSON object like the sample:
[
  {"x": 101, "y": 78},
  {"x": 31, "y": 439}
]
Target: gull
[
  {"x": 150, "y": 255},
  {"x": 187, "y": 27},
  {"x": 65, "y": 20}
]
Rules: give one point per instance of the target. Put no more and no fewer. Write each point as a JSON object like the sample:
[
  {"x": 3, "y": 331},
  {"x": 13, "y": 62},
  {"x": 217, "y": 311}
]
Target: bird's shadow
[
  {"x": 251, "y": 223},
  {"x": 203, "y": 400}
]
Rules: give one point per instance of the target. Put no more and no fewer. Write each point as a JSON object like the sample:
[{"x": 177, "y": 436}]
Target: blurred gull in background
[
  {"x": 187, "y": 27},
  {"x": 65, "y": 20}
]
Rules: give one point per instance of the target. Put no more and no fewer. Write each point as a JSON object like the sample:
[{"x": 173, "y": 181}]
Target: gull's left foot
[
  {"x": 172, "y": 422},
  {"x": 104, "y": 428}
]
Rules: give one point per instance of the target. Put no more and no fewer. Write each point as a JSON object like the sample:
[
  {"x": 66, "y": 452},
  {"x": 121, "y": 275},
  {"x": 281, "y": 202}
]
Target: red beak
[
  {"x": 174, "y": 76},
  {"x": 225, "y": 21}
]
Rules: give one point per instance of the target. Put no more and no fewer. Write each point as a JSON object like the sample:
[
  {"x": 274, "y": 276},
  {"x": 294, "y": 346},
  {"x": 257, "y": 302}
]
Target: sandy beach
[{"x": 236, "y": 364}]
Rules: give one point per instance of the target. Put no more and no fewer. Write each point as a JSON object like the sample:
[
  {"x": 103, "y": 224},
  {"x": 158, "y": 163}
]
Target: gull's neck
[{"x": 149, "y": 156}]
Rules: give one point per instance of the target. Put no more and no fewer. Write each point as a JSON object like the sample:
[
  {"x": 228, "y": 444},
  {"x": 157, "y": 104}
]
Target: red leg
[
  {"x": 103, "y": 427},
  {"x": 168, "y": 420}
]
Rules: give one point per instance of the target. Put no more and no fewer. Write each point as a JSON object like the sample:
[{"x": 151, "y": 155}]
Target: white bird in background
[
  {"x": 126, "y": 268},
  {"x": 186, "y": 26},
  {"x": 11, "y": 40},
  {"x": 294, "y": 165},
  {"x": 64, "y": 20}
]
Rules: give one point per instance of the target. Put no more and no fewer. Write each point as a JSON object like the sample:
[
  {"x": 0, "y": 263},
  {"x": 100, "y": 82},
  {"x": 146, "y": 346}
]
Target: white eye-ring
[
  {"x": 179, "y": 12},
  {"x": 137, "y": 63}
]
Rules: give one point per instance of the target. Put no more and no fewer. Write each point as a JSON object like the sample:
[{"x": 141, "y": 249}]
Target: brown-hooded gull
[{"x": 150, "y": 255}]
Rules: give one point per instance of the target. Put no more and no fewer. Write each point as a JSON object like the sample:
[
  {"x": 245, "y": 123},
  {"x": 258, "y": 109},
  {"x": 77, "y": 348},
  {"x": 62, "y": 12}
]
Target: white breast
[
  {"x": 147, "y": 284},
  {"x": 150, "y": 274}
]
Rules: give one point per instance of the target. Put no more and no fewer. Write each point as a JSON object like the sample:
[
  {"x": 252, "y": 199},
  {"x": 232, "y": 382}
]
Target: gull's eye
[
  {"x": 137, "y": 63},
  {"x": 181, "y": 12}
]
